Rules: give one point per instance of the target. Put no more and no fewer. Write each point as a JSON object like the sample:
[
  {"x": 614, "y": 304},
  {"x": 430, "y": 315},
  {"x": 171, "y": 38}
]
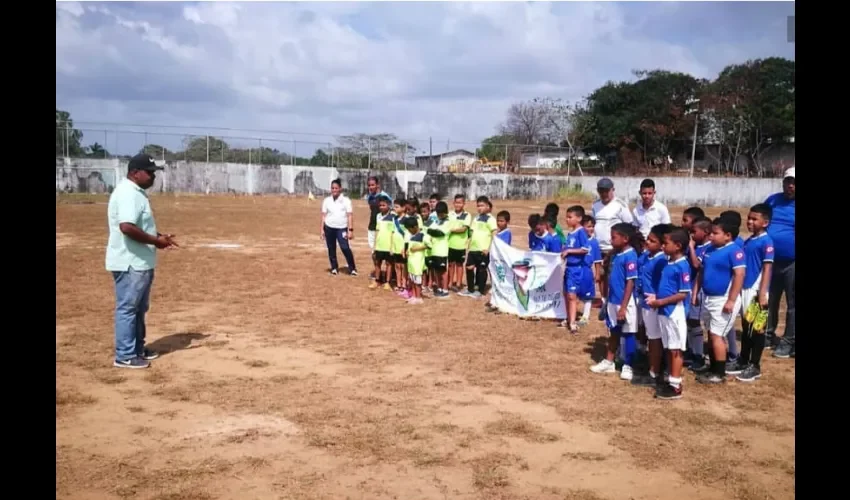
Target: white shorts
[
  {"x": 631, "y": 324},
  {"x": 695, "y": 312},
  {"x": 719, "y": 323},
  {"x": 415, "y": 279},
  {"x": 650, "y": 323},
  {"x": 749, "y": 295},
  {"x": 674, "y": 329},
  {"x": 371, "y": 239}
]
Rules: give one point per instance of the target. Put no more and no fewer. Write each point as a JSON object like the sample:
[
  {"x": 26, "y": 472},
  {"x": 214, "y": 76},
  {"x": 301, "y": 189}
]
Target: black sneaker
[
  {"x": 711, "y": 378},
  {"x": 735, "y": 367},
  {"x": 149, "y": 355},
  {"x": 783, "y": 351},
  {"x": 793, "y": 352},
  {"x": 750, "y": 374},
  {"x": 699, "y": 366},
  {"x": 134, "y": 363},
  {"x": 669, "y": 392},
  {"x": 644, "y": 380}
]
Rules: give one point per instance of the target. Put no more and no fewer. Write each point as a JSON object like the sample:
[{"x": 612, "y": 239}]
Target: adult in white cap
[
  {"x": 782, "y": 230},
  {"x": 608, "y": 210},
  {"x": 131, "y": 258}
]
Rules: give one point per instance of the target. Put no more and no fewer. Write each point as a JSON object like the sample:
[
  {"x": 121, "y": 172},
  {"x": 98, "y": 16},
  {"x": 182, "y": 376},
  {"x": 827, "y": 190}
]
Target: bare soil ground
[{"x": 280, "y": 381}]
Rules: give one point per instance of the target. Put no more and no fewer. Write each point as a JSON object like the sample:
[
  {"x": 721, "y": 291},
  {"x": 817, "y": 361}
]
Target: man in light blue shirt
[{"x": 131, "y": 257}]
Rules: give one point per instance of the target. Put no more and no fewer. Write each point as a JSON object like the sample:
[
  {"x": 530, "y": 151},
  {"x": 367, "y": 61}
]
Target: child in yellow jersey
[
  {"x": 399, "y": 263},
  {"x": 384, "y": 229},
  {"x": 428, "y": 277},
  {"x": 439, "y": 233},
  {"x": 458, "y": 239},
  {"x": 416, "y": 246},
  {"x": 483, "y": 228}
]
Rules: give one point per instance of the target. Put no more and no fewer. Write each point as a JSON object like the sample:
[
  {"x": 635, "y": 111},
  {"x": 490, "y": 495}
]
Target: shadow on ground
[{"x": 176, "y": 342}]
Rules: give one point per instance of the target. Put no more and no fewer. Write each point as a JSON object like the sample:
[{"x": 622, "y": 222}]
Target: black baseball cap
[
  {"x": 605, "y": 183},
  {"x": 143, "y": 162}
]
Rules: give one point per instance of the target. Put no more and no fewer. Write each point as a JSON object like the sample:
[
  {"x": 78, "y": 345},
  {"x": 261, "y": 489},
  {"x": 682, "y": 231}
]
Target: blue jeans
[
  {"x": 132, "y": 300},
  {"x": 334, "y": 236}
]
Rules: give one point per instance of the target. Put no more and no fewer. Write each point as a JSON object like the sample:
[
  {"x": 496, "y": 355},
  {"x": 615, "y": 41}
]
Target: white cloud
[{"x": 415, "y": 69}]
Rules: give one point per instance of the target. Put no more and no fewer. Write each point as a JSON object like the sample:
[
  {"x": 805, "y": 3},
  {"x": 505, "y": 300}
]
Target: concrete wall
[{"x": 100, "y": 176}]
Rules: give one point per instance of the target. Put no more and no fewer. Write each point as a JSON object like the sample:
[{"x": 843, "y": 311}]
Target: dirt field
[{"x": 280, "y": 381}]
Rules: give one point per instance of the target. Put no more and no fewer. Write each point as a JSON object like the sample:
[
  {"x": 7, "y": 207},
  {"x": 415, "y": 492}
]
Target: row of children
[
  {"x": 662, "y": 290},
  {"x": 427, "y": 249}
]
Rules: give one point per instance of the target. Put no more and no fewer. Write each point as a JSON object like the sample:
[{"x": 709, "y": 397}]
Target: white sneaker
[
  {"x": 604, "y": 366},
  {"x": 626, "y": 373}
]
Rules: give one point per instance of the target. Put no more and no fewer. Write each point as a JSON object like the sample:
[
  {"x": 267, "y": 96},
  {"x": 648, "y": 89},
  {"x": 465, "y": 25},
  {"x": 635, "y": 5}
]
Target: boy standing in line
[
  {"x": 503, "y": 218},
  {"x": 721, "y": 278},
  {"x": 700, "y": 230},
  {"x": 399, "y": 262},
  {"x": 671, "y": 301},
  {"x": 483, "y": 229},
  {"x": 425, "y": 216},
  {"x": 577, "y": 247},
  {"x": 732, "y": 351},
  {"x": 536, "y": 234},
  {"x": 651, "y": 264},
  {"x": 416, "y": 246},
  {"x": 551, "y": 211},
  {"x": 384, "y": 229},
  {"x": 759, "y": 252},
  {"x": 593, "y": 269},
  {"x": 458, "y": 240},
  {"x": 439, "y": 233}
]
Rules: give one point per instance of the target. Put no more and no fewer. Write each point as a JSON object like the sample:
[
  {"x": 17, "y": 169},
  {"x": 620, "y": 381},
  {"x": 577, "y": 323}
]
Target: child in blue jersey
[
  {"x": 621, "y": 307},
  {"x": 759, "y": 252},
  {"x": 592, "y": 271},
  {"x": 651, "y": 263},
  {"x": 721, "y": 279},
  {"x": 576, "y": 248},
  {"x": 503, "y": 218},
  {"x": 552, "y": 241},
  {"x": 536, "y": 235},
  {"x": 735, "y": 218},
  {"x": 732, "y": 353},
  {"x": 671, "y": 299},
  {"x": 700, "y": 242}
]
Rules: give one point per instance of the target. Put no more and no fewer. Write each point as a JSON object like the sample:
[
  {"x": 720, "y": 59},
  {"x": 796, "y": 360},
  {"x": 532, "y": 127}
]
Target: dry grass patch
[
  {"x": 491, "y": 470},
  {"x": 516, "y": 426}
]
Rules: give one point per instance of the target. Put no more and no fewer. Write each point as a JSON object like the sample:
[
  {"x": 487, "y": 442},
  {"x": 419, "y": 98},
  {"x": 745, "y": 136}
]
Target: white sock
[
  {"x": 586, "y": 313},
  {"x": 676, "y": 382}
]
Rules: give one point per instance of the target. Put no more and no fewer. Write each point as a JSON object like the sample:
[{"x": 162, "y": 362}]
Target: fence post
[
  {"x": 261, "y": 151},
  {"x": 292, "y": 156},
  {"x": 208, "y": 149},
  {"x": 294, "y": 152}
]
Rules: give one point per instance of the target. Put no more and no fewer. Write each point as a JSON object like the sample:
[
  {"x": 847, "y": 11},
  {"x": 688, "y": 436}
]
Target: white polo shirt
[
  {"x": 608, "y": 215},
  {"x": 646, "y": 218},
  {"x": 336, "y": 211}
]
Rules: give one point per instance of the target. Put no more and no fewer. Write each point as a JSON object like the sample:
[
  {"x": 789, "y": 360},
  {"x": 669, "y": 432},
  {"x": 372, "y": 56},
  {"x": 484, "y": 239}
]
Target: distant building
[
  {"x": 552, "y": 159},
  {"x": 458, "y": 160}
]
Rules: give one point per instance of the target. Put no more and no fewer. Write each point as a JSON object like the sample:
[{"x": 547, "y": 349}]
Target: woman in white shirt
[{"x": 338, "y": 227}]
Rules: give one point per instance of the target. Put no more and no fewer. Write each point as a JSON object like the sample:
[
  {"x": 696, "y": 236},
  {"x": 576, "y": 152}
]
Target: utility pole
[{"x": 695, "y": 112}]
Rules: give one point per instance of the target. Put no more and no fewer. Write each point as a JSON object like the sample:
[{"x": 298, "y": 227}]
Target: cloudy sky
[{"x": 419, "y": 70}]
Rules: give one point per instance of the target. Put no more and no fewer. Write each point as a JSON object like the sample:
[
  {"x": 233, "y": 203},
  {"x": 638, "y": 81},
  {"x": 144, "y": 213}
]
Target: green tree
[
  {"x": 68, "y": 139},
  {"x": 96, "y": 151},
  {"x": 320, "y": 159}
]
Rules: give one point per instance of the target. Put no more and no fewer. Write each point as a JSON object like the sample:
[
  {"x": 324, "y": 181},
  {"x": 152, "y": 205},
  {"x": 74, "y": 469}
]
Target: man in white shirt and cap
[{"x": 608, "y": 211}]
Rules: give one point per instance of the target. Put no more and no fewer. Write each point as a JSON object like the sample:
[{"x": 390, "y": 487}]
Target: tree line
[{"x": 743, "y": 113}]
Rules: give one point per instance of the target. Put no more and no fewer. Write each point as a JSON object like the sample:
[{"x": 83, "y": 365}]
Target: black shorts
[
  {"x": 477, "y": 259},
  {"x": 439, "y": 263},
  {"x": 457, "y": 256},
  {"x": 428, "y": 261},
  {"x": 383, "y": 257},
  {"x": 399, "y": 258}
]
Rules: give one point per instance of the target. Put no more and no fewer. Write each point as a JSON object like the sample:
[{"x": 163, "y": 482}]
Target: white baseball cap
[{"x": 789, "y": 173}]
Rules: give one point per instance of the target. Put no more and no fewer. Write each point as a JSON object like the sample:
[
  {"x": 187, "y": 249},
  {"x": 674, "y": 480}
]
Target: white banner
[{"x": 525, "y": 283}]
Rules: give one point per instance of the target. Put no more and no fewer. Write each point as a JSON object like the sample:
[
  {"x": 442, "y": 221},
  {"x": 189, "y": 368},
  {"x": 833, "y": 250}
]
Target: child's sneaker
[
  {"x": 749, "y": 375},
  {"x": 583, "y": 322},
  {"x": 465, "y": 293},
  {"x": 414, "y": 301},
  {"x": 406, "y": 295},
  {"x": 373, "y": 285},
  {"x": 668, "y": 392},
  {"x": 735, "y": 367},
  {"x": 710, "y": 378},
  {"x": 475, "y": 295},
  {"x": 387, "y": 287},
  {"x": 604, "y": 366},
  {"x": 626, "y": 373}
]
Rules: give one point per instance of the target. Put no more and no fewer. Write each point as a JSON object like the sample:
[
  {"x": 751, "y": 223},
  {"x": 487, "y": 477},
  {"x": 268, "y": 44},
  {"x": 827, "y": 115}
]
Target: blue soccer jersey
[
  {"x": 505, "y": 236},
  {"x": 623, "y": 269},
  {"x": 649, "y": 269},
  {"x": 536, "y": 243},
  {"x": 758, "y": 250},
  {"x": 718, "y": 268},
  {"x": 575, "y": 240},
  {"x": 552, "y": 243},
  {"x": 595, "y": 253},
  {"x": 739, "y": 241},
  {"x": 675, "y": 278}
]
